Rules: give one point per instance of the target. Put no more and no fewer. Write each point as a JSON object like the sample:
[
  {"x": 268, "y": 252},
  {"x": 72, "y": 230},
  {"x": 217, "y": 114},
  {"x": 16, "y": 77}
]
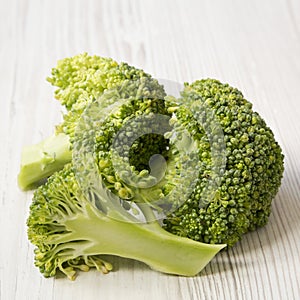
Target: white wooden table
[{"x": 253, "y": 45}]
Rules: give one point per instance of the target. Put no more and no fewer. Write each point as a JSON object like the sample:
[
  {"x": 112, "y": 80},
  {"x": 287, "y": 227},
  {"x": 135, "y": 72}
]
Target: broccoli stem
[
  {"x": 146, "y": 242},
  {"x": 41, "y": 160}
]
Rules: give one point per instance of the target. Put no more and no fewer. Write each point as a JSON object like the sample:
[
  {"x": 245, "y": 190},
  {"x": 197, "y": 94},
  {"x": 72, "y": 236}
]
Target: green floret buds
[
  {"x": 254, "y": 168},
  {"x": 81, "y": 79}
]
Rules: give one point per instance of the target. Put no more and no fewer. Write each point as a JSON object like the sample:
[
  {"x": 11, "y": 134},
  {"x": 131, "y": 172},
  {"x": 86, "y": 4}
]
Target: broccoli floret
[
  {"x": 80, "y": 79},
  {"x": 253, "y": 171},
  {"x": 71, "y": 233}
]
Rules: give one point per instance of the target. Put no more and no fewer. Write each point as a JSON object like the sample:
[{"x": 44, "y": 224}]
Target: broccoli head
[{"x": 252, "y": 175}]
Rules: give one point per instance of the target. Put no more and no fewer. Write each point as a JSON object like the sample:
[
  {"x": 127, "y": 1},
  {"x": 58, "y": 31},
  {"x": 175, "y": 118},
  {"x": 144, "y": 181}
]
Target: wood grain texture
[{"x": 253, "y": 45}]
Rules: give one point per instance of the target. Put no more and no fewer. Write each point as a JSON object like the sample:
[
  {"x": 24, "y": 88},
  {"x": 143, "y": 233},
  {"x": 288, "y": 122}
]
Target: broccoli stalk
[
  {"x": 43, "y": 159},
  {"x": 148, "y": 243},
  {"x": 71, "y": 232}
]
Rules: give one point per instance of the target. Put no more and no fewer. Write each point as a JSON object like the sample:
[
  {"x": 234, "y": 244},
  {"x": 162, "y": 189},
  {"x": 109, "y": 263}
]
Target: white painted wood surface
[{"x": 253, "y": 45}]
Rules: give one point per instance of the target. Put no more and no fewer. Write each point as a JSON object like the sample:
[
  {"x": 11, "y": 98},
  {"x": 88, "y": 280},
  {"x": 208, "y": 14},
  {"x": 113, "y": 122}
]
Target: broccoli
[
  {"x": 71, "y": 233},
  {"x": 80, "y": 79},
  {"x": 75, "y": 219},
  {"x": 194, "y": 173},
  {"x": 253, "y": 171}
]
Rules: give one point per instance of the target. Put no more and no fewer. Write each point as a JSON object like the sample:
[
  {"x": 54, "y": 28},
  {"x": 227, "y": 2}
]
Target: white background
[{"x": 253, "y": 45}]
